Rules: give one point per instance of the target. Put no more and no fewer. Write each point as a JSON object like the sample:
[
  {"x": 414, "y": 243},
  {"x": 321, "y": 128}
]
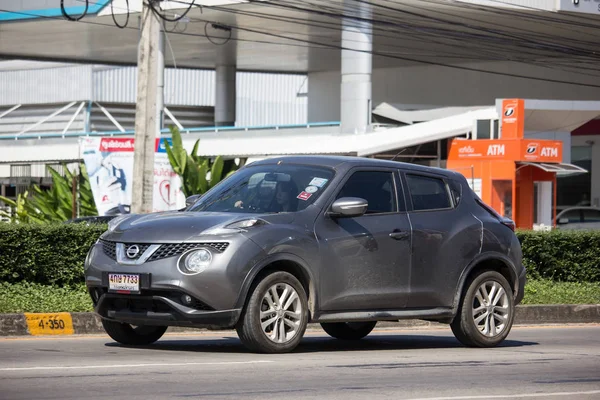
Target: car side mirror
[
  {"x": 349, "y": 207},
  {"x": 192, "y": 199},
  {"x": 562, "y": 221}
]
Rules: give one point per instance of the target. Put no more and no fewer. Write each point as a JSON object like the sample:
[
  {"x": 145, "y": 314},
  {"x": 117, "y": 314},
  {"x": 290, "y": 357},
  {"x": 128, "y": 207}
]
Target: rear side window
[
  {"x": 428, "y": 193},
  {"x": 455, "y": 191}
]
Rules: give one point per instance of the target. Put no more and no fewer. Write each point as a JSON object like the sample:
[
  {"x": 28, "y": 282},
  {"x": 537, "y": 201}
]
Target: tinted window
[
  {"x": 267, "y": 189},
  {"x": 591, "y": 216},
  {"x": 428, "y": 193},
  {"x": 377, "y": 187},
  {"x": 456, "y": 191}
]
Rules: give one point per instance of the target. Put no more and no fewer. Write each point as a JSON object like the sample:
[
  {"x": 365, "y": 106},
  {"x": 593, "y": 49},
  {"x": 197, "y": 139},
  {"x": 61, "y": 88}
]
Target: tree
[{"x": 198, "y": 174}]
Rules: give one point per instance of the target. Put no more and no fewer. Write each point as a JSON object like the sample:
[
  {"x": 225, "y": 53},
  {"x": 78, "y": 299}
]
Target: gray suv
[{"x": 342, "y": 241}]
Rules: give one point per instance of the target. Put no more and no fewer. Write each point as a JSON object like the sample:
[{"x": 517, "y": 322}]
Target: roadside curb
[{"x": 42, "y": 324}]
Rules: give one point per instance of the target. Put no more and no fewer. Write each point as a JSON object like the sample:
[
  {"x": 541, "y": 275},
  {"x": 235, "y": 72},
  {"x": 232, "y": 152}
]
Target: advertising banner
[{"x": 109, "y": 163}]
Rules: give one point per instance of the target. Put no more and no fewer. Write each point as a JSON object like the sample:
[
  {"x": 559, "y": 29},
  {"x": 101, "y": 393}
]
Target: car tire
[
  {"x": 128, "y": 335},
  {"x": 486, "y": 312},
  {"x": 348, "y": 330},
  {"x": 275, "y": 317}
]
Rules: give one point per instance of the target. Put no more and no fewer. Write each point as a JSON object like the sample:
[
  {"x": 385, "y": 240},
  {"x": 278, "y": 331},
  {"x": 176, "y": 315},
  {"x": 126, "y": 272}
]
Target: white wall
[
  {"x": 324, "y": 90},
  {"x": 441, "y": 86},
  {"x": 586, "y": 141}
]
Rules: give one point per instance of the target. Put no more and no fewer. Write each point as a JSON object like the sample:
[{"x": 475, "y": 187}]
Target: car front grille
[
  {"x": 172, "y": 250},
  {"x": 110, "y": 248},
  {"x": 164, "y": 251},
  {"x": 142, "y": 248}
]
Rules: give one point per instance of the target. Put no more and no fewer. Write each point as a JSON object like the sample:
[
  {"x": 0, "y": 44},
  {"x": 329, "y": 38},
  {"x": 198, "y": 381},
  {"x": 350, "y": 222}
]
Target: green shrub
[
  {"x": 53, "y": 254},
  {"x": 567, "y": 256},
  {"x": 33, "y": 297},
  {"x": 545, "y": 291},
  {"x": 48, "y": 254}
]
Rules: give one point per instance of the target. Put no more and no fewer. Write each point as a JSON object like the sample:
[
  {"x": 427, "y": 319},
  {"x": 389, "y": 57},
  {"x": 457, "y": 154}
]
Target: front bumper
[
  {"x": 160, "y": 309},
  {"x": 166, "y": 297}
]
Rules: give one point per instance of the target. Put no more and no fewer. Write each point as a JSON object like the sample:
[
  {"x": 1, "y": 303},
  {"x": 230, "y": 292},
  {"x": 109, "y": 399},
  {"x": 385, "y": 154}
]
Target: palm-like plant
[
  {"x": 55, "y": 204},
  {"x": 194, "y": 169}
]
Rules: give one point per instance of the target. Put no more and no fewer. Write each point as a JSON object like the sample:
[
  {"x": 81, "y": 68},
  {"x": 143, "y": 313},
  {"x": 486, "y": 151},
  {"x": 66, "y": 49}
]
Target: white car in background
[{"x": 576, "y": 218}]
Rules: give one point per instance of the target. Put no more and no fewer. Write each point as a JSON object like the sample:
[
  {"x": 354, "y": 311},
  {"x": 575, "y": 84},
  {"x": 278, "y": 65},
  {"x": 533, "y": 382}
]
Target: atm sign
[{"x": 544, "y": 151}]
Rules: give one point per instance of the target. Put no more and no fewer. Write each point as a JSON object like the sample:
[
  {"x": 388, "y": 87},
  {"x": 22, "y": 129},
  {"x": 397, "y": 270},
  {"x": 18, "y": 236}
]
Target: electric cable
[
  {"x": 178, "y": 18},
  {"x": 112, "y": 13},
  {"x": 218, "y": 27},
  {"x": 317, "y": 44},
  {"x": 74, "y": 19}
]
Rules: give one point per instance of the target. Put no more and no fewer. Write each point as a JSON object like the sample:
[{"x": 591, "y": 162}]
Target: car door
[
  {"x": 366, "y": 262},
  {"x": 444, "y": 237}
]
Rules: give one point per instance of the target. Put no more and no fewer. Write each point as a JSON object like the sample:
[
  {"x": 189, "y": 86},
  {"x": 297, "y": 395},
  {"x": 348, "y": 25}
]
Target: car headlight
[{"x": 195, "y": 262}]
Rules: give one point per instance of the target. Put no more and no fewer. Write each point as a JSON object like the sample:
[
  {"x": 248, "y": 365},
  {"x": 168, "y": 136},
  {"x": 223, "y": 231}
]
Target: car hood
[{"x": 176, "y": 226}]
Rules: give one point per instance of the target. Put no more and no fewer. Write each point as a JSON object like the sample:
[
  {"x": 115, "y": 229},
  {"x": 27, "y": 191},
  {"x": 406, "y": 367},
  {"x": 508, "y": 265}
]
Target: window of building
[
  {"x": 376, "y": 187},
  {"x": 576, "y": 190},
  {"x": 428, "y": 193}
]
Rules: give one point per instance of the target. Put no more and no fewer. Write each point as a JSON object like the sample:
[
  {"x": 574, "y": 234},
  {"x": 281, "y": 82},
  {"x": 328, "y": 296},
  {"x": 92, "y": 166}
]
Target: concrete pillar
[
  {"x": 225, "y": 95},
  {"x": 225, "y": 85},
  {"x": 357, "y": 44}
]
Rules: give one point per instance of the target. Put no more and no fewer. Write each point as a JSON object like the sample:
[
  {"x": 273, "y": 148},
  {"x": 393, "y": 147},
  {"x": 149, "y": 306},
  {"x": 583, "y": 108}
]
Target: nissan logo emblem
[{"x": 132, "y": 251}]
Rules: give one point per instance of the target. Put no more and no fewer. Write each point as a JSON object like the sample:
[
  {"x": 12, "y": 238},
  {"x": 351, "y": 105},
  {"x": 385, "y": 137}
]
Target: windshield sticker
[
  {"x": 304, "y": 196},
  {"x": 311, "y": 189},
  {"x": 319, "y": 182}
]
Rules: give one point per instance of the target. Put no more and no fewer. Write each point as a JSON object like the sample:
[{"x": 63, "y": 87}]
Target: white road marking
[
  {"x": 134, "y": 365},
  {"x": 511, "y": 396}
]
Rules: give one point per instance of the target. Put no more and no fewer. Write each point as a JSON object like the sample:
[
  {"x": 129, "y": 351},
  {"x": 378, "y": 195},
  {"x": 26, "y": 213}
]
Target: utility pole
[{"x": 146, "y": 113}]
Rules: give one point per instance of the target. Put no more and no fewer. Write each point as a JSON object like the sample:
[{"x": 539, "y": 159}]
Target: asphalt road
[{"x": 541, "y": 362}]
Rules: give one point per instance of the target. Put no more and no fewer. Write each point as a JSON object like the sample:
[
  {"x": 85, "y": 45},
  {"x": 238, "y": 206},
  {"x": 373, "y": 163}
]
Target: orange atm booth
[{"x": 514, "y": 175}]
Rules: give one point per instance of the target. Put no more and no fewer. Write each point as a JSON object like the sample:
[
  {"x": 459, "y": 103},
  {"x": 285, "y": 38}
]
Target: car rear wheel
[
  {"x": 486, "y": 313},
  {"x": 349, "y": 330},
  {"x": 275, "y": 317},
  {"x": 133, "y": 336}
]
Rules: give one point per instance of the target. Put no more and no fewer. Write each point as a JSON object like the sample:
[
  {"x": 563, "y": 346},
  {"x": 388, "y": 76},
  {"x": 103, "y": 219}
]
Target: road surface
[{"x": 534, "y": 363}]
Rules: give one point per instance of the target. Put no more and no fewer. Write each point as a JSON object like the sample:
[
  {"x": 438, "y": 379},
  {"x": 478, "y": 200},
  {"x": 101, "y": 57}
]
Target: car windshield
[{"x": 267, "y": 189}]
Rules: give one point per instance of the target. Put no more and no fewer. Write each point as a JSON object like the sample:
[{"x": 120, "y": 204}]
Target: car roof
[{"x": 346, "y": 162}]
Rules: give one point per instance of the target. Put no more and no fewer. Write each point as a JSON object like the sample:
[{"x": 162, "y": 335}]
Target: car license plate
[{"x": 124, "y": 283}]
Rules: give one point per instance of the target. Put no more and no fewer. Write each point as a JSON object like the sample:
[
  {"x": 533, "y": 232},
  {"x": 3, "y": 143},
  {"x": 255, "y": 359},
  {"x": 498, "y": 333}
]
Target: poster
[{"x": 109, "y": 163}]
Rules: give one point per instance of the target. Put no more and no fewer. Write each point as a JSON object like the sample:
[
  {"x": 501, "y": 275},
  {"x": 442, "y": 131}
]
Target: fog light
[
  {"x": 187, "y": 299},
  {"x": 196, "y": 262}
]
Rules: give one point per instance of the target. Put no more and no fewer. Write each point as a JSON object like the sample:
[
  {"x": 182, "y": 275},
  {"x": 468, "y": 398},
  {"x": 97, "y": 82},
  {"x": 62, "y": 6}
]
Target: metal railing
[{"x": 216, "y": 129}]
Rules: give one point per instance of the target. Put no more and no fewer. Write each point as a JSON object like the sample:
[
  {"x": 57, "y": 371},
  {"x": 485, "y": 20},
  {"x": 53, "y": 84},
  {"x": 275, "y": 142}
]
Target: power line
[
  {"x": 404, "y": 58},
  {"x": 112, "y": 13},
  {"x": 68, "y": 17}
]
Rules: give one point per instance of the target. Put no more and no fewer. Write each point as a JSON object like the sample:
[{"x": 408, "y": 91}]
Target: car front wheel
[
  {"x": 486, "y": 313},
  {"x": 133, "y": 336},
  {"x": 275, "y": 317}
]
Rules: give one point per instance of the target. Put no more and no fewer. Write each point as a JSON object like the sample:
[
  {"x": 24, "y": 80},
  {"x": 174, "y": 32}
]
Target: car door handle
[{"x": 399, "y": 235}]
